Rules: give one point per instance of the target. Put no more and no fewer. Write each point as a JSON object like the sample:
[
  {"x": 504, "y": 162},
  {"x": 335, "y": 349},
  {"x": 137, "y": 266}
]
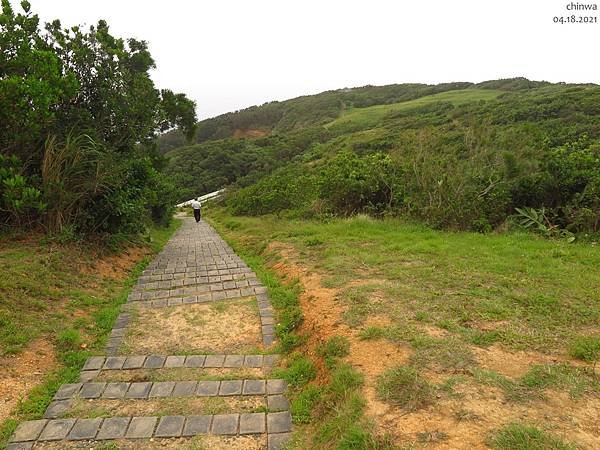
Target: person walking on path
[{"x": 196, "y": 205}]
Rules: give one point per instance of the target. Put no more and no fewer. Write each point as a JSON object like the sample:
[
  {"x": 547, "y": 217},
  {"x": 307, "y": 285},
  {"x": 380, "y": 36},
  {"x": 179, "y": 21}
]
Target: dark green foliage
[
  {"x": 79, "y": 108},
  {"x": 20, "y": 202},
  {"x": 465, "y": 159},
  {"x": 350, "y": 184}
]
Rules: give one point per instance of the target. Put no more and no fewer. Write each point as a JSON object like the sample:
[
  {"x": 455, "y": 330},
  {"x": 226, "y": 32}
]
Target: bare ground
[
  {"x": 184, "y": 406},
  {"x": 197, "y": 443},
  {"x": 21, "y": 373},
  {"x": 221, "y": 327}
]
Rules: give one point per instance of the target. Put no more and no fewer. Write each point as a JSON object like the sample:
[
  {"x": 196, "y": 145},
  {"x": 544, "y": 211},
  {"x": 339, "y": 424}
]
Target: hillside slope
[{"x": 461, "y": 158}]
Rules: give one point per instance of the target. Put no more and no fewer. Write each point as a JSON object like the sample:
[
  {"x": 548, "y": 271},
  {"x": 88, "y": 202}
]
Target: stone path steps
[{"x": 196, "y": 266}]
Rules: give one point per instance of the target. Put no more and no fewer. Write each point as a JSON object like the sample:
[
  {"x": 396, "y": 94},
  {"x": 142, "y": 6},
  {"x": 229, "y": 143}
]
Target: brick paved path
[{"x": 195, "y": 267}]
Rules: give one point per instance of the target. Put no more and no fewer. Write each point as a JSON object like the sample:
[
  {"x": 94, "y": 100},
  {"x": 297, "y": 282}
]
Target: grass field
[
  {"x": 488, "y": 339},
  {"x": 373, "y": 115}
]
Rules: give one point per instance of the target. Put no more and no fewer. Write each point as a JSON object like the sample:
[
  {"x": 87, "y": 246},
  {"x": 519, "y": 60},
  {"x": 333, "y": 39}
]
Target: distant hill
[
  {"x": 461, "y": 155},
  {"x": 321, "y": 108}
]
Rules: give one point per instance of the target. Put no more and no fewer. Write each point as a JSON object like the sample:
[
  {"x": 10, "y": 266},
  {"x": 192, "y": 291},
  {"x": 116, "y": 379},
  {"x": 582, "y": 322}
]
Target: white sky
[{"x": 230, "y": 54}]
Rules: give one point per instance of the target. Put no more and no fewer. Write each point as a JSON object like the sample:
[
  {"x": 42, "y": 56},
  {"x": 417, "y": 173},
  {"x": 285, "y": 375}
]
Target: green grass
[
  {"x": 522, "y": 437},
  {"x": 516, "y": 290},
  {"x": 373, "y": 115},
  {"x": 405, "y": 387},
  {"x": 43, "y": 305}
]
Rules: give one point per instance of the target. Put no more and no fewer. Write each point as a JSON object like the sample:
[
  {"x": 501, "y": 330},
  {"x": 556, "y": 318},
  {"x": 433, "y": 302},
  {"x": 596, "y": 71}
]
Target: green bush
[
  {"x": 20, "y": 202},
  {"x": 350, "y": 184}
]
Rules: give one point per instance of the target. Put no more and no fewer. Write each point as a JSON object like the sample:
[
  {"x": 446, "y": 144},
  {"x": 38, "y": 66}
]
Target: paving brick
[
  {"x": 276, "y": 387},
  {"x": 84, "y": 429},
  {"x": 57, "y": 409},
  {"x": 67, "y": 391},
  {"x": 162, "y": 389},
  {"x": 56, "y": 430},
  {"x": 28, "y": 431},
  {"x": 245, "y": 292},
  {"x": 252, "y": 423},
  {"x": 268, "y": 339},
  {"x": 195, "y": 425},
  {"x": 279, "y": 422},
  {"x": 271, "y": 360},
  {"x": 170, "y": 426},
  {"x": 268, "y": 329},
  {"x": 88, "y": 375},
  {"x": 194, "y": 361},
  {"x": 94, "y": 363},
  {"x": 277, "y": 403},
  {"x": 115, "y": 390},
  {"x": 253, "y": 361},
  {"x": 207, "y": 388},
  {"x": 233, "y": 361},
  {"x": 92, "y": 390},
  {"x": 141, "y": 427},
  {"x": 278, "y": 441},
  {"x": 254, "y": 387},
  {"x": 134, "y": 362},
  {"x": 139, "y": 390},
  {"x": 225, "y": 424},
  {"x": 267, "y": 321},
  {"x": 113, "y": 428},
  {"x": 184, "y": 389},
  {"x": 218, "y": 295},
  {"x": 154, "y": 362},
  {"x": 114, "y": 362},
  {"x": 230, "y": 387},
  {"x": 174, "y": 361},
  {"x": 214, "y": 361},
  {"x": 19, "y": 446}
]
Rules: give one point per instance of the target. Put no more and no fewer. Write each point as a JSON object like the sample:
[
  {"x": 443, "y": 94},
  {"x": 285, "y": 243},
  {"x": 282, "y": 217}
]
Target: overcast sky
[{"x": 230, "y": 54}]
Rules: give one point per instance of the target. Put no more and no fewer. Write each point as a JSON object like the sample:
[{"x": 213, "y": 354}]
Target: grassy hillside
[
  {"x": 373, "y": 115},
  {"x": 455, "y": 158}
]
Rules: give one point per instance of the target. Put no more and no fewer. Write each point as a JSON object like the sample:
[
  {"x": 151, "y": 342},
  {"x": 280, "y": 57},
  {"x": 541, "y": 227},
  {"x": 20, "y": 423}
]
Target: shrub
[
  {"x": 350, "y": 184},
  {"x": 20, "y": 202}
]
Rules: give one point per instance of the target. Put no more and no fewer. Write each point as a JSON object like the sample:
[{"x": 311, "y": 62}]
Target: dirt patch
[
  {"x": 219, "y": 327},
  {"x": 323, "y": 319},
  {"x": 20, "y": 373},
  {"x": 182, "y": 374},
  {"x": 238, "y": 134},
  {"x": 116, "y": 267},
  {"x": 185, "y": 406},
  {"x": 510, "y": 364},
  {"x": 196, "y": 443}
]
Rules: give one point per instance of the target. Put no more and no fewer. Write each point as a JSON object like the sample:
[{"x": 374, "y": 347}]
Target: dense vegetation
[
  {"x": 456, "y": 156},
  {"x": 79, "y": 116}
]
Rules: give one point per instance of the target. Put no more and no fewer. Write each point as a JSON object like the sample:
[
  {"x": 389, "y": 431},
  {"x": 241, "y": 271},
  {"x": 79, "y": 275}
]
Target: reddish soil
[
  {"x": 249, "y": 133},
  {"x": 21, "y": 373}
]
